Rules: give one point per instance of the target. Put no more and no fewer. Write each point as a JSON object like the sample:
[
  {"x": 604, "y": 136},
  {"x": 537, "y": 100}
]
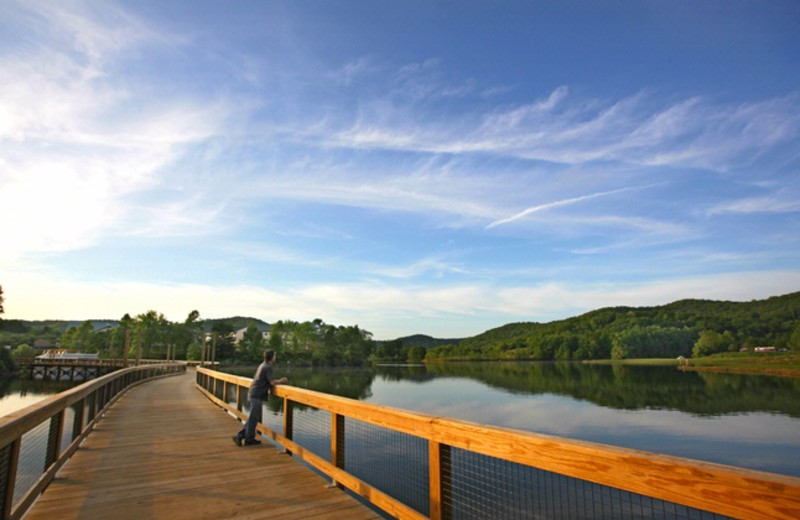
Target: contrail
[{"x": 549, "y": 205}]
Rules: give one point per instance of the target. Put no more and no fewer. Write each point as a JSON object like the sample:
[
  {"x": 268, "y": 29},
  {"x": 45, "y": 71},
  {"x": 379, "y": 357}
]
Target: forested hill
[
  {"x": 421, "y": 340},
  {"x": 685, "y": 327}
]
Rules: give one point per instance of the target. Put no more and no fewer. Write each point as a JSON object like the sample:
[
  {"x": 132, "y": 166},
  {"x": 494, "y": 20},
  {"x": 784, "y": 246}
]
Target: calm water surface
[
  {"x": 17, "y": 394},
  {"x": 745, "y": 421}
]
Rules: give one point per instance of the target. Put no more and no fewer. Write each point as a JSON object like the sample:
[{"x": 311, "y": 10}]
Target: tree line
[
  {"x": 152, "y": 336},
  {"x": 683, "y": 328}
]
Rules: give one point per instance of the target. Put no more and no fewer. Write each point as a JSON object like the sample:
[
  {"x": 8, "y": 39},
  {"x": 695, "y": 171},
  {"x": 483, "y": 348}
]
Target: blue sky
[{"x": 411, "y": 167}]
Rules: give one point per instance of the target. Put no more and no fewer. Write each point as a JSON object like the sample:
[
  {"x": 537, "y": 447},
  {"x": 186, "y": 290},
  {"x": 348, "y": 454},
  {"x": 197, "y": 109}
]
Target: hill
[
  {"x": 421, "y": 340},
  {"x": 624, "y": 331},
  {"x": 237, "y": 322}
]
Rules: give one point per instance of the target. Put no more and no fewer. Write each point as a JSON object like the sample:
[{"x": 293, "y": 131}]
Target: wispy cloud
[
  {"x": 566, "y": 129},
  {"x": 775, "y": 204},
  {"x": 77, "y": 142}
]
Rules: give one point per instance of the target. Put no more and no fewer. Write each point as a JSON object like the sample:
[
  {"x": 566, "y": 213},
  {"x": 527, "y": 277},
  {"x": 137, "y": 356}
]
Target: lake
[
  {"x": 16, "y": 394},
  {"x": 740, "y": 420}
]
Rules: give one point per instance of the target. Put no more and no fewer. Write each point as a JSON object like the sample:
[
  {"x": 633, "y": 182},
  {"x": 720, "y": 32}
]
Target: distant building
[
  {"x": 765, "y": 349},
  {"x": 43, "y": 344},
  {"x": 239, "y": 335}
]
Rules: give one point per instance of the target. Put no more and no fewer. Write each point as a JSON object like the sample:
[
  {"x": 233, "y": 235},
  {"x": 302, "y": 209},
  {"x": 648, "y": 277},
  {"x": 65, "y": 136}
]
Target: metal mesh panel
[
  {"x": 33, "y": 451},
  {"x": 394, "y": 462},
  {"x": 312, "y": 430},
  {"x": 66, "y": 428},
  {"x": 483, "y": 487},
  {"x": 273, "y": 415},
  {"x": 229, "y": 396},
  {"x": 5, "y": 464}
]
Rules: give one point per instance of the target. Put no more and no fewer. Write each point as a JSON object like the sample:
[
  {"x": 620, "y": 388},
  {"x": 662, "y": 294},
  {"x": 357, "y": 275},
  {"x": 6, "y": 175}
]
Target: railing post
[
  {"x": 337, "y": 443},
  {"x": 91, "y": 401},
  {"x": 9, "y": 458},
  {"x": 77, "y": 418},
  {"x": 439, "y": 467},
  {"x": 54, "y": 439},
  {"x": 288, "y": 420},
  {"x": 239, "y": 398}
]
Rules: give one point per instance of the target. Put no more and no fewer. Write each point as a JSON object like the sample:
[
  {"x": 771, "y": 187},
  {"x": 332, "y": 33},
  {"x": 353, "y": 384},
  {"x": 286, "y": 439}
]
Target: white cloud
[
  {"x": 76, "y": 142},
  {"x": 637, "y": 130},
  {"x": 774, "y": 204}
]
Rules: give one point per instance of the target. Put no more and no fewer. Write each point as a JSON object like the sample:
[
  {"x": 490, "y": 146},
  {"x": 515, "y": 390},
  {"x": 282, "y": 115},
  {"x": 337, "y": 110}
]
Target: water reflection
[
  {"x": 16, "y": 394},
  {"x": 621, "y": 387},
  {"x": 741, "y": 420}
]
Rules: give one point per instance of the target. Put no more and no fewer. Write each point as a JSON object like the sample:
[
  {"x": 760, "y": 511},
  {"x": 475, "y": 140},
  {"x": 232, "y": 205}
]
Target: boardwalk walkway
[{"x": 164, "y": 451}]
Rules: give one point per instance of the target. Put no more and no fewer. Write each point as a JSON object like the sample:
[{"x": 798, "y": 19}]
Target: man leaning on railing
[{"x": 256, "y": 395}]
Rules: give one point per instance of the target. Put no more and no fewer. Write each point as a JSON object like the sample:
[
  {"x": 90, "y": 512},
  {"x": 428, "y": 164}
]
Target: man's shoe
[
  {"x": 251, "y": 442},
  {"x": 237, "y": 440}
]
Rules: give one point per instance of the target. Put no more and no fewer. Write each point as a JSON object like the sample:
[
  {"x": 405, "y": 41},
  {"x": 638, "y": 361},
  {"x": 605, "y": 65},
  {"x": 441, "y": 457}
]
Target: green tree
[
  {"x": 711, "y": 342},
  {"x": 151, "y": 330},
  {"x": 225, "y": 348},
  {"x": 7, "y": 363},
  {"x": 252, "y": 345},
  {"x": 193, "y": 352},
  {"x": 23, "y": 351},
  {"x": 794, "y": 339},
  {"x": 390, "y": 349},
  {"x": 416, "y": 354}
]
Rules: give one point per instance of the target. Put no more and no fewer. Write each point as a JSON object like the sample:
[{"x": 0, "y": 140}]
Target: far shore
[{"x": 783, "y": 364}]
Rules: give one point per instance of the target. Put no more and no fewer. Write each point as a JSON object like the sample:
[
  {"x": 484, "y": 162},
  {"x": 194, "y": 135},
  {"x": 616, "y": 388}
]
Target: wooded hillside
[{"x": 685, "y": 327}]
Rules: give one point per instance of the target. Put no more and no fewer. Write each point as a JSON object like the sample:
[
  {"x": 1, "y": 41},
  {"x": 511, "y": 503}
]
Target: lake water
[
  {"x": 745, "y": 421},
  {"x": 17, "y": 394}
]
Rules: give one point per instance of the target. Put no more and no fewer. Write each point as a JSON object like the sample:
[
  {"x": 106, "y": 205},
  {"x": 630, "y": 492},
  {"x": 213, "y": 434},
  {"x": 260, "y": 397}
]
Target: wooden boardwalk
[{"x": 164, "y": 451}]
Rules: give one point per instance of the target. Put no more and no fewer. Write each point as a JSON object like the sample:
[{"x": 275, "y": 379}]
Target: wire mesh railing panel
[
  {"x": 484, "y": 487},
  {"x": 5, "y": 469},
  {"x": 272, "y": 417},
  {"x": 229, "y": 395},
  {"x": 312, "y": 430},
  {"x": 32, "y": 456},
  {"x": 393, "y": 462},
  {"x": 66, "y": 428}
]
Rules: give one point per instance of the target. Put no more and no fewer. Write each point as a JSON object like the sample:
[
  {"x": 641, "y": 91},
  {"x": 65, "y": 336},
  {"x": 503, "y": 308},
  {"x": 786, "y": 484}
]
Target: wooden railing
[
  {"x": 36, "y": 441},
  {"x": 604, "y": 474}
]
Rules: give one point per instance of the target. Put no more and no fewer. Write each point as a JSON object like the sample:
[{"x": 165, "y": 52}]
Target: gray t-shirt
[{"x": 261, "y": 382}]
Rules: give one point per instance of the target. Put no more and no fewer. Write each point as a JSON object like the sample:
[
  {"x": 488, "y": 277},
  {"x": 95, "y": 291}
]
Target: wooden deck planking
[{"x": 164, "y": 451}]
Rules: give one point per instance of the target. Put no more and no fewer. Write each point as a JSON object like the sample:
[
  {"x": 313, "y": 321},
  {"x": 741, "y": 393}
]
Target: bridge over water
[{"x": 155, "y": 441}]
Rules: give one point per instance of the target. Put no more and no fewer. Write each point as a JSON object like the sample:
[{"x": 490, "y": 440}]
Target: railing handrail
[
  {"x": 708, "y": 486},
  {"x": 90, "y": 361}
]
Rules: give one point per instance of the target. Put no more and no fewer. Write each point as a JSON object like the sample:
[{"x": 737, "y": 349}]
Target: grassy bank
[{"x": 786, "y": 364}]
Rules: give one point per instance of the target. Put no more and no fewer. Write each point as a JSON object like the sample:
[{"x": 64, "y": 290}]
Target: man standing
[{"x": 259, "y": 391}]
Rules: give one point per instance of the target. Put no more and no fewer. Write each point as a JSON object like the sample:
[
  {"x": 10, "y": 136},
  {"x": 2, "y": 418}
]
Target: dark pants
[{"x": 248, "y": 431}]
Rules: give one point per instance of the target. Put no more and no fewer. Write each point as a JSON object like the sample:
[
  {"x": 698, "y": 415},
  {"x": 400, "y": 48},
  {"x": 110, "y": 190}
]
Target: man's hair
[{"x": 269, "y": 355}]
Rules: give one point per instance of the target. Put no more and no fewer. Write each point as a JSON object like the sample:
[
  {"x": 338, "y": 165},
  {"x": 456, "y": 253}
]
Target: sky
[{"x": 438, "y": 168}]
